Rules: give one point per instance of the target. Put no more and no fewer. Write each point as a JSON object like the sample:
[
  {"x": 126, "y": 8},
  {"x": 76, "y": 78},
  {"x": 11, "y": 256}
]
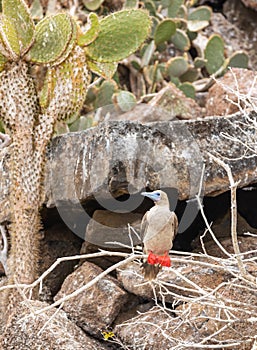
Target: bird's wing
[
  {"x": 159, "y": 221},
  {"x": 144, "y": 226}
]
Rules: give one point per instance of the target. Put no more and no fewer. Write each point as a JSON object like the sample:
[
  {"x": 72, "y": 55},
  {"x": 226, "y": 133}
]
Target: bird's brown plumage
[{"x": 158, "y": 229}]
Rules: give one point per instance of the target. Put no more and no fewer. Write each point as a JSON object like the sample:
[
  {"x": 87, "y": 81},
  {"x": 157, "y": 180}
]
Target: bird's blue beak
[{"x": 152, "y": 195}]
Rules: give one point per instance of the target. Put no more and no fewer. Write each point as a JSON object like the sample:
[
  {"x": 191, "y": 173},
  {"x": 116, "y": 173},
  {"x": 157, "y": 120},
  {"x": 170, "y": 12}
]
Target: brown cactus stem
[{"x": 19, "y": 109}]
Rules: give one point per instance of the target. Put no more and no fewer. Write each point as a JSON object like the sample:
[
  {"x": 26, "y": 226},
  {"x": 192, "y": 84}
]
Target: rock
[
  {"x": 96, "y": 308},
  {"x": 174, "y": 101},
  {"x": 58, "y": 242},
  {"x": 237, "y": 30},
  {"x": 154, "y": 330},
  {"x": 121, "y": 158},
  {"x": 107, "y": 227},
  {"x": 226, "y": 317},
  {"x": 244, "y": 21},
  {"x": 250, "y": 3},
  {"x": 50, "y": 330},
  {"x": 247, "y": 245},
  {"x": 168, "y": 104},
  {"x": 222, "y": 230},
  {"x": 211, "y": 318},
  {"x": 174, "y": 279},
  {"x": 225, "y": 90}
]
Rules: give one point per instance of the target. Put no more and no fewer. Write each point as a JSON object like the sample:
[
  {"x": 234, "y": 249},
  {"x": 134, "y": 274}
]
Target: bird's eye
[{"x": 158, "y": 194}]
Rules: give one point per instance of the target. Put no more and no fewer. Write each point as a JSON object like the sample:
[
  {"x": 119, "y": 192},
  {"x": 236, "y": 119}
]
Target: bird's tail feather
[{"x": 150, "y": 271}]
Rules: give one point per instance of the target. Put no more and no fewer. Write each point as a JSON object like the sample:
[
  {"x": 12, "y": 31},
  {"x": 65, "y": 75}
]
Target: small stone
[{"x": 97, "y": 307}]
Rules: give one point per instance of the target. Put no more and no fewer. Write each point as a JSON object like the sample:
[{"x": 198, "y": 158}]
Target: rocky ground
[{"x": 206, "y": 299}]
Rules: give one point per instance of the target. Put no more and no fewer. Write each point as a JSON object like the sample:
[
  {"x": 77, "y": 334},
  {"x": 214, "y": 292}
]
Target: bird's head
[{"x": 159, "y": 197}]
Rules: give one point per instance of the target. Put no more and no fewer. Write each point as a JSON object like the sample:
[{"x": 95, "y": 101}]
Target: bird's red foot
[{"x": 163, "y": 260}]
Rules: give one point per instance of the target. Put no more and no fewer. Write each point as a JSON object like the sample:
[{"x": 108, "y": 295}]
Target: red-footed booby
[{"x": 158, "y": 229}]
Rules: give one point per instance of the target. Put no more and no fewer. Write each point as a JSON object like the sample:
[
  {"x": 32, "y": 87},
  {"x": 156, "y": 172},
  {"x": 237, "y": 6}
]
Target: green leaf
[
  {"x": 180, "y": 40},
  {"x": 201, "y": 13},
  {"x": 104, "y": 69},
  {"x": 92, "y": 5},
  {"x": 121, "y": 33},
  {"x": 53, "y": 34},
  {"x": 10, "y": 38},
  {"x": 18, "y": 13},
  {"x": 125, "y": 100},
  {"x": 214, "y": 53},
  {"x": 91, "y": 34},
  {"x": 188, "y": 89},
  {"x": 239, "y": 59},
  {"x": 176, "y": 66},
  {"x": 164, "y": 31}
]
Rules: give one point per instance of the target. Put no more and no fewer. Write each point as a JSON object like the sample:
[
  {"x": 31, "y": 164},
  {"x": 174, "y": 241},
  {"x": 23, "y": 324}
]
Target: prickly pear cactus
[{"x": 30, "y": 116}]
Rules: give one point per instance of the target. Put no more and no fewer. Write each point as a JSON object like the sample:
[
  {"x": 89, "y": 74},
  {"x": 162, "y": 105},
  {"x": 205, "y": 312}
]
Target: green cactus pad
[
  {"x": 164, "y": 31},
  {"x": 196, "y": 26},
  {"x": 148, "y": 53},
  {"x": 199, "y": 62},
  {"x": 173, "y": 6},
  {"x": 214, "y": 53},
  {"x": 1, "y": 126},
  {"x": 92, "y": 5},
  {"x": 188, "y": 89},
  {"x": 82, "y": 123},
  {"x": 70, "y": 81},
  {"x": 181, "y": 40},
  {"x": 3, "y": 60},
  {"x": 53, "y": 34},
  {"x": 150, "y": 7},
  {"x": 18, "y": 13},
  {"x": 201, "y": 13},
  {"x": 91, "y": 34},
  {"x": 105, "y": 93},
  {"x": 104, "y": 69},
  {"x": 176, "y": 66},
  {"x": 71, "y": 44},
  {"x": 182, "y": 12},
  {"x": 120, "y": 34},
  {"x": 46, "y": 94},
  {"x": 129, "y": 4},
  {"x": 239, "y": 59},
  {"x": 10, "y": 38},
  {"x": 125, "y": 100},
  {"x": 191, "y": 75}
]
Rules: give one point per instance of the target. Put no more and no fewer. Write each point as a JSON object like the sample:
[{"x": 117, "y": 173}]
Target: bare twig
[{"x": 233, "y": 188}]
